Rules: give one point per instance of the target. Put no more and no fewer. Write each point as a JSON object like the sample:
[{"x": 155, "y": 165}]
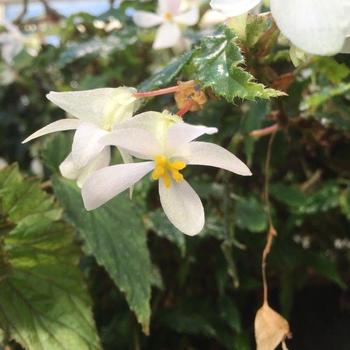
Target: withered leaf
[{"x": 271, "y": 329}]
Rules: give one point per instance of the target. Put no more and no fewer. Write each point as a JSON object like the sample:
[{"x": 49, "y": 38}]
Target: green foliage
[
  {"x": 43, "y": 300},
  {"x": 206, "y": 288},
  {"x": 217, "y": 63},
  {"x": 115, "y": 236}
]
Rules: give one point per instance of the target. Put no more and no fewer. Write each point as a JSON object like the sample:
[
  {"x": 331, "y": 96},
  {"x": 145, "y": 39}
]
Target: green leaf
[
  {"x": 256, "y": 27},
  {"x": 43, "y": 299},
  {"x": 344, "y": 201},
  {"x": 20, "y": 199},
  {"x": 327, "y": 268},
  {"x": 318, "y": 99},
  {"x": 217, "y": 63},
  {"x": 288, "y": 195},
  {"x": 56, "y": 149},
  {"x": 167, "y": 74},
  {"x": 115, "y": 235},
  {"x": 251, "y": 215}
]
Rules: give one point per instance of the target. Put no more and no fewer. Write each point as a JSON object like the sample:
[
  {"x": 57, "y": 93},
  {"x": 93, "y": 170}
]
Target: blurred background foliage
[{"x": 201, "y": 292}]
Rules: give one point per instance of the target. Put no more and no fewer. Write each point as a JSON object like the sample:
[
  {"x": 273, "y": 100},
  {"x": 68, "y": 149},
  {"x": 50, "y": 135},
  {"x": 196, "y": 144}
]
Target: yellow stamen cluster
[
  {"x": 168, "y": 16},
  {"x": 166, "y": 170}
]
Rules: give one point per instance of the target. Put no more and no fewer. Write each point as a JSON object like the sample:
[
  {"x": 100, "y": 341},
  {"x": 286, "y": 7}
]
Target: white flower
[
  {"x": 314, "y": 26},
  {"x": 170, "y": 18},
  {"x": 11, "y": 42},
  {"x": 167, "y": 148},
  {"x": 97, "y": 113}
]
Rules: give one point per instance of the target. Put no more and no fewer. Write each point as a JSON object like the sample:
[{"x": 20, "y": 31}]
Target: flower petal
[
  {"x": 315, "y": 26},
  {"x": 234, "y": 7},
  {"x": 146, "y": 19},
  {"x": 154, "y": 122},
  {"x": 170, "y": 6},
  {"x": 181, "y": 133},
  {"x": 95, "y": 105},
  {"x": 168, "y": 35},
  {"x": 106, "y": 183},
  {"x": 212, "y": 18},
  {"x": 137, "y": 142},
  {"x": 182, "y": 206},
  {"x": 204, "y": 153},
  {"x": 69, "y": 171},
  {"x": 59, "y": 125},
  {"x": 86, "y": 143},
  {"x": 188, "y": 18}
]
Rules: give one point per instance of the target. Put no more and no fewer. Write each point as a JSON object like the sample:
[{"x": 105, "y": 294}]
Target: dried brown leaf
[
  {"x": 190, "y": 91},
  {"x": 271, "y": 329}
]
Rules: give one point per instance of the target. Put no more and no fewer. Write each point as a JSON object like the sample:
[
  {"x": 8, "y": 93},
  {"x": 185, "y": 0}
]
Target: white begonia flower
[
  {"x": 167, "y": 149},
  {"x": 11, "y": 42},
  {"x": 96, "y": 113},
  {"x": 170, "y": 18},
  {"x": 315, "y": 26}
]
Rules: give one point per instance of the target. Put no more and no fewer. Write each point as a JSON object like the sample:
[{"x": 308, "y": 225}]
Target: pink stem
[
  {"x": 185, "y": 109},
  {"x": 264, "y": 132}
]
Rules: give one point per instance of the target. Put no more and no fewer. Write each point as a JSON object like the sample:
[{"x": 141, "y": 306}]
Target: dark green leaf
[
  {"x": 43, "y": 299},
  {"x": 115, "y": 235}
]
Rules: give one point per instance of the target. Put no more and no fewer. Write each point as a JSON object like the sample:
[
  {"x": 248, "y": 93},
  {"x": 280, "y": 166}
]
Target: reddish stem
[
  {"x": 264, "y": 132},
  {"x": 185, "y": 108},
  {"x": 169, "y": 90}
]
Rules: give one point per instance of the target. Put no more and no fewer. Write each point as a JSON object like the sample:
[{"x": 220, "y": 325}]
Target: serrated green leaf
[
  {"x": 217, "y": 63},
  {"x": 115, "y": 235},
  {"x": 23, "y": 198},
  {"x": 43, "y": 300}
]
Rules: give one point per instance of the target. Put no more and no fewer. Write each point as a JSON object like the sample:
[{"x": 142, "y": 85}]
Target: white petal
[
  {"x": 168, "y": 35},
  {"x": 183, "y": 207},
  {"x": 106, "y": 183},
  {"x": 137, "y": 142},
  {"x": 188, "y": 18},
  {"x": 181, "y": 133},
  {"x": 346, "y": 47},
  {"x": 96, "y": 105},
  {"x": 127, "y": 158},
  {"x": 146, "y": 19},
  {"x": 205, "y": 153},
  {"x": 101, "y": 161},
  {"x": 86, "y": 143},
  {"x": 315, "y": 26},
  {"x": 170, "y": 6},
  {"x": 59, "y": 125},
  {"x": 154, "y": 122},
  {"x": 234, "y": 7},
  {"x": 212, "y": 18},
  {"x": 70, "y": 171}
]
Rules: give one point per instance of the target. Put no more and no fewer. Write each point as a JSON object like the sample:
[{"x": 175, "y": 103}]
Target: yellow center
[
  {"x": 166, "y": 170},
  {"x": 168, "y": 16}
]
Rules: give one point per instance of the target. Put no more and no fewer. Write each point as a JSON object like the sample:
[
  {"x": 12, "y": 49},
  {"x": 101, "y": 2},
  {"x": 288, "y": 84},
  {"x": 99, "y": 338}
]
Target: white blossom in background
[
  {"x": 167, "y": 148},
  {"x": 315, "y": 26},
  {"x": 3, "y": 163},
  {"x": 170, "y": 18},
  {"x": 11, "y": 41},
  {"x": 96, "y": 113}
]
